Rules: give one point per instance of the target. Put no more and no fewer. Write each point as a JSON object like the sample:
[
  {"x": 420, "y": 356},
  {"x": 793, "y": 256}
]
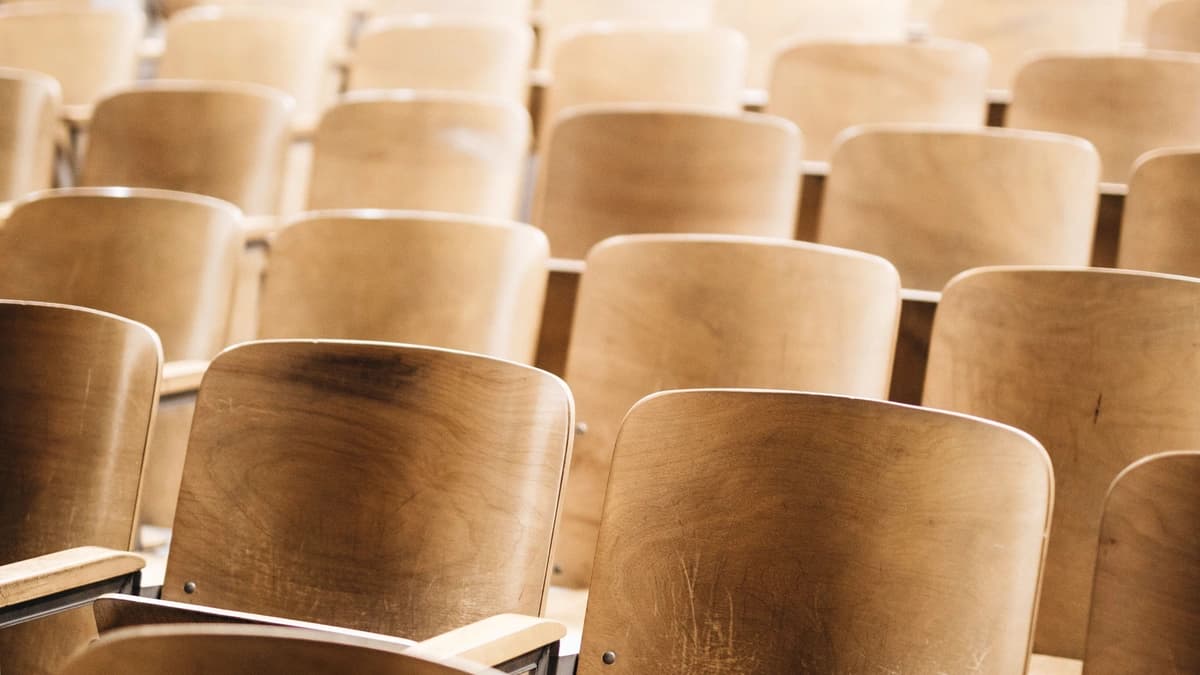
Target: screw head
[
  {"x": 609, "y": 658},
  {"x": 189, "y": 587}
]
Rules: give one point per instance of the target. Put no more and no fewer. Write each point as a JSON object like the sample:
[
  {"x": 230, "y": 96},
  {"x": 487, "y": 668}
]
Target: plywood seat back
[
  {"x": 30, "y": 105},
  {"x": 1158, "y": 225}
]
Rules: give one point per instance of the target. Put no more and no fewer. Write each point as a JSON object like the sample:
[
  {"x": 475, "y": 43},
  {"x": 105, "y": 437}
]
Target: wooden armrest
[
  {"x": 304, "y": 129},
  {"x": 540, "y": 78},
  {"x": 63, "y": 571},
  {"x": 494, "y": 640},
  {"x": 566, "y": 265},
  {"x": 1114, "y": 189},
  {"x": 258, "y": 229},
  {"x": 917, "y": 295},
  {"x": 182, "y": 377},
  {"x": 814, "y": 168},
  {"x": 999, "y": 96},
  {"x": 151, "y": 48},
  {"x": 79, "y": 116},
  {"x": 754, "y": 99}
]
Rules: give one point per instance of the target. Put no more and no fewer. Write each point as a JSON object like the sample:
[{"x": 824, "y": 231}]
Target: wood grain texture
[
  {"x": 222, "y": 139},
  {"x": 405, "y": 490},
  {"x": 634, "y": 168},
  {"x": 1125, "y": 104},
  {"x": 817, "y": 494},
  {"x": 1101, "y": 366},
  {"x": 1158, "y": 228},
  {"x": 53, "y": 573},
  {"x": 1175, "y": 26},
  {"x": 937, "y": 200},
  {"x": 826, "y": 87},
  {"x": 424, "y": 278},
  {"x": 1146, "y": 595},
  {"x": 662, "y": 312},
  {"x": 30, "y": 104},
  {"x": 559, "y": 17},
  {"x": 459, "y": 153}
]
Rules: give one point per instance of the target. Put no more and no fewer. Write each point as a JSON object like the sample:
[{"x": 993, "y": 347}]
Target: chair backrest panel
[
  {"x": 30, "y": 104},
  {"x": 1159, "y": 222}
]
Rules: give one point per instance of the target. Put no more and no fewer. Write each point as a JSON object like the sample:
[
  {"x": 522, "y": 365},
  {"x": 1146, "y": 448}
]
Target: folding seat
[
  {"x": 500, "y": 9},
  {"x": 1175, "y": 26},
  {"x": 1102, "y": 366},
  {"x": 558, "y": 17},
  {"x": 1158, "y": 227},
  {"x": 30, "y": 104}
]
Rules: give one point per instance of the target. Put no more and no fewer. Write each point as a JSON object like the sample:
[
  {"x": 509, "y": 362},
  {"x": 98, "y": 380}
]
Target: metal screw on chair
[
  {"x": 609, "y": 658},
  {"x": 581, "y": 428},
  {"x": 189, "y": 587}
]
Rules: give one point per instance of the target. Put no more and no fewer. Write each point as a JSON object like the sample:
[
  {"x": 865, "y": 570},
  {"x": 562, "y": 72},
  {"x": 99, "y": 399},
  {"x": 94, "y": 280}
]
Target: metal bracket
[
  {"x": 542, "y": 661},
  {"x": 67, "y": 600}
]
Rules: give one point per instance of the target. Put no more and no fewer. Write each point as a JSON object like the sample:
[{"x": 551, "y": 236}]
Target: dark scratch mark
[{"x": 1096, "y": 414}]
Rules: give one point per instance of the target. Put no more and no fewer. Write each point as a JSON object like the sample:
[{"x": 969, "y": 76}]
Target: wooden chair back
[
  {"x": 1137, "y": 18},
  {"x": 30, "y": 105},
  {"x": 517, "y": 10},
  {"x": 938, "y": 200},
  {"x": 473, "y": 55},
  {"x": 166, "y": 259},
  {"x": 424, "y": 278},
  {"x": 1158, "y": 226},
  {"x": 226, "y": 140},
  {"x": 782, "y": 532},
  {"x": 1102, "y": 366},
  {"x": 1175, "y": 26},
  {"x": 458, "y": 153},
  {"x": 1146, "y": 594},
  {"x": 560, "y": 17},
  {"x": 1126, "y": 104},
  {"x": 827, "y": 87},
  {"x": 406, "y": 490},
  {"x": 632, "y": 168},
  {"x": 89, "y": 51},
  {"x": 661, "y": 312}
]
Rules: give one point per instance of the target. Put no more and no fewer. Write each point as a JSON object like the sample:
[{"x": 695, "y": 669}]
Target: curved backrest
[
  {"x": 225, "y": 140},
  {"x": 1137, "y": 18},
  {"x": 626, "y": 169},
  {"x": 826, "y": 87},
  {"x": 1146, "y": 595},
  {"x": 406, "y": 490},
  {"x": 1175, "y": 26},
  {"x": 777, "y": 532},
  {"x": 1126, "y": 105},
  {"x": 1101, "y": 366},
  {"x": 936, "y": 201},
  {"x": 1159, "y": 223},
  {"x": 1012, "y": 31},
  {"x": 559, "y": 17},
  {"x": 248, "y": 650},
  {"x": 418, "y": 277},
  {"x": 673, "y": 311},
  {"x": 30, "y": 104},
  {"x": 770, "y": 24},
  {"x": 89, "y": 51},
  {"x": 421, "y": 151},
  {"x": 166, "y": 259},
  {"x": 500, "y": 9},
  {"x": 472, "y": 55}
]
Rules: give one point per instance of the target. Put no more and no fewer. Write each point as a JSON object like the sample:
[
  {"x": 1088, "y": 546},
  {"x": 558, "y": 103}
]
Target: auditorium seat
[
  {"x": 1146, "y": 595},
  {"x": 418, "y": 277},
  {"x": 1175, "y": 26},
  {"x": 559, "y": 17},
  {"x": 1101, "y": 366},
  {"x": 30, "y": 105},
  {"x": 1162, "y": 211},
  {"x": 1126, "y": 104},
  {"x": 675, "y": 311},
  {"x": 938, "y": 200},
  {"x": 517, "y": 10}
]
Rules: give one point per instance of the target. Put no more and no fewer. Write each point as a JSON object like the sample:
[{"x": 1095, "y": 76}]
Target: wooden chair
[
  {"x": 770, "y": 24},
  {"x": 457, "y": 153},
  {"x": 936, "y": 200},
  {"x": 487, "y": 56},
  {"x": 826, "y": 87},
  {"x": 559, "y": 17},
  {"x": 1158, "y": 227},
  {"x": 1175, "y": 26},
  {"x": 1125, "y": 104},
  {"x": 425, "y": 278},
  {"x": 1014, "y": 30},
  {"x": 741, "y": 529},
  {"x": 517, "y": 10},
  {"x": 634, "y": 168},
  {"x": 1146, "y": 594},
  {"x": 661, "y": 312},
  {"x": 1101, "y": 365},
  {"x": 76, "y": 404},
  {"x": 30, "y": 104},
  {"x": 1137, "y": 18},
  {"x": 226, "y": 140}
]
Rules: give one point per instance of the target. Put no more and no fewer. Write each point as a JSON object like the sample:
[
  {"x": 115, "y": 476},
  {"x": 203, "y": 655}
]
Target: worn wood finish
[
  {"x": 89, "y": 51},
  {"x": 634, "y": 168},
  {"x": 517, "y": 10},
  {"x": 1146, "y": 595},
  {"x": 53, "y": 573},
  {"x": 385, "y": 475},
  {"x": 1126, "y": 104},
  {"x": 825, "y": 87},
  {"x": 430, "y": 151},
  {"x": 1158, "y": 228},
  {"x": 1175, "y": 26},
  {"x": 662, "y": 312},
  {"x": 30, "y": 104},
  {"x": 936, "y": 200},
  {"x": 1102, "y": 366},
  {"x": 817, "y": 494},
  {"x": 225, "y": 139},
  {"x": 419, "y": 277},
  {"x": 466, "y": 54},
  {"x": 559, "y": 17}
]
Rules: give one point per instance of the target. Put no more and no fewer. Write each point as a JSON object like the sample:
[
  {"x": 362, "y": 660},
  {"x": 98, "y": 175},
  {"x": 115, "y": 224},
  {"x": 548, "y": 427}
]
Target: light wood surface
[
  {"x": 1137, "y": 18},
  {"x": 635, "y": 168},
  {"x": 53, "y": 573},
  {"x": 493, "y": 640},
  {"x": 662, "y": 312},
  {"x": 1175, "y": 26},
  {"x": 1100, "y": 365},
  {"x": 559, "y": 17},
  {"x": 502, "y": 9},
  {"x": 826, "y": 87},
  {"x": 1146, "y": 596},
  {"x": 938, "y": 200},
  {"x": 741, "y": 527},
  {"x": 89, "y": 51},
  {"x": 456, "y": 53},
  {"x": 30, "y": 104},
  {"x": 418, "y": 277},
  {"x": 459, "y": 153},
  {"x": 385, "y": 475},
  {"x": 1125, "y": 104},
  {"x": 1159, "y": 224}
]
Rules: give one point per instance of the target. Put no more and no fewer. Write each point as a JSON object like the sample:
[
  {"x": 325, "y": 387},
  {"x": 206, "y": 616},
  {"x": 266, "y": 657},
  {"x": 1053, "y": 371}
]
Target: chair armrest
[
  {"x": 182, "y": 377},
  {"x": 494, "y": 640},
  {"x": 63, "y": 571},
  {"x": 566, "y": 265},
  {"x": 258, "y": 229}
]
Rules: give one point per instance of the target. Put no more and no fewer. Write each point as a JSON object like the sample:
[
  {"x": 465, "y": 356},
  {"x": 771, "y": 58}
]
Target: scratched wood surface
[
  {"x": 1158, "y": 227},
  {"x": 772, "y": 532},
  {"x": 30, "y": 105}
]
